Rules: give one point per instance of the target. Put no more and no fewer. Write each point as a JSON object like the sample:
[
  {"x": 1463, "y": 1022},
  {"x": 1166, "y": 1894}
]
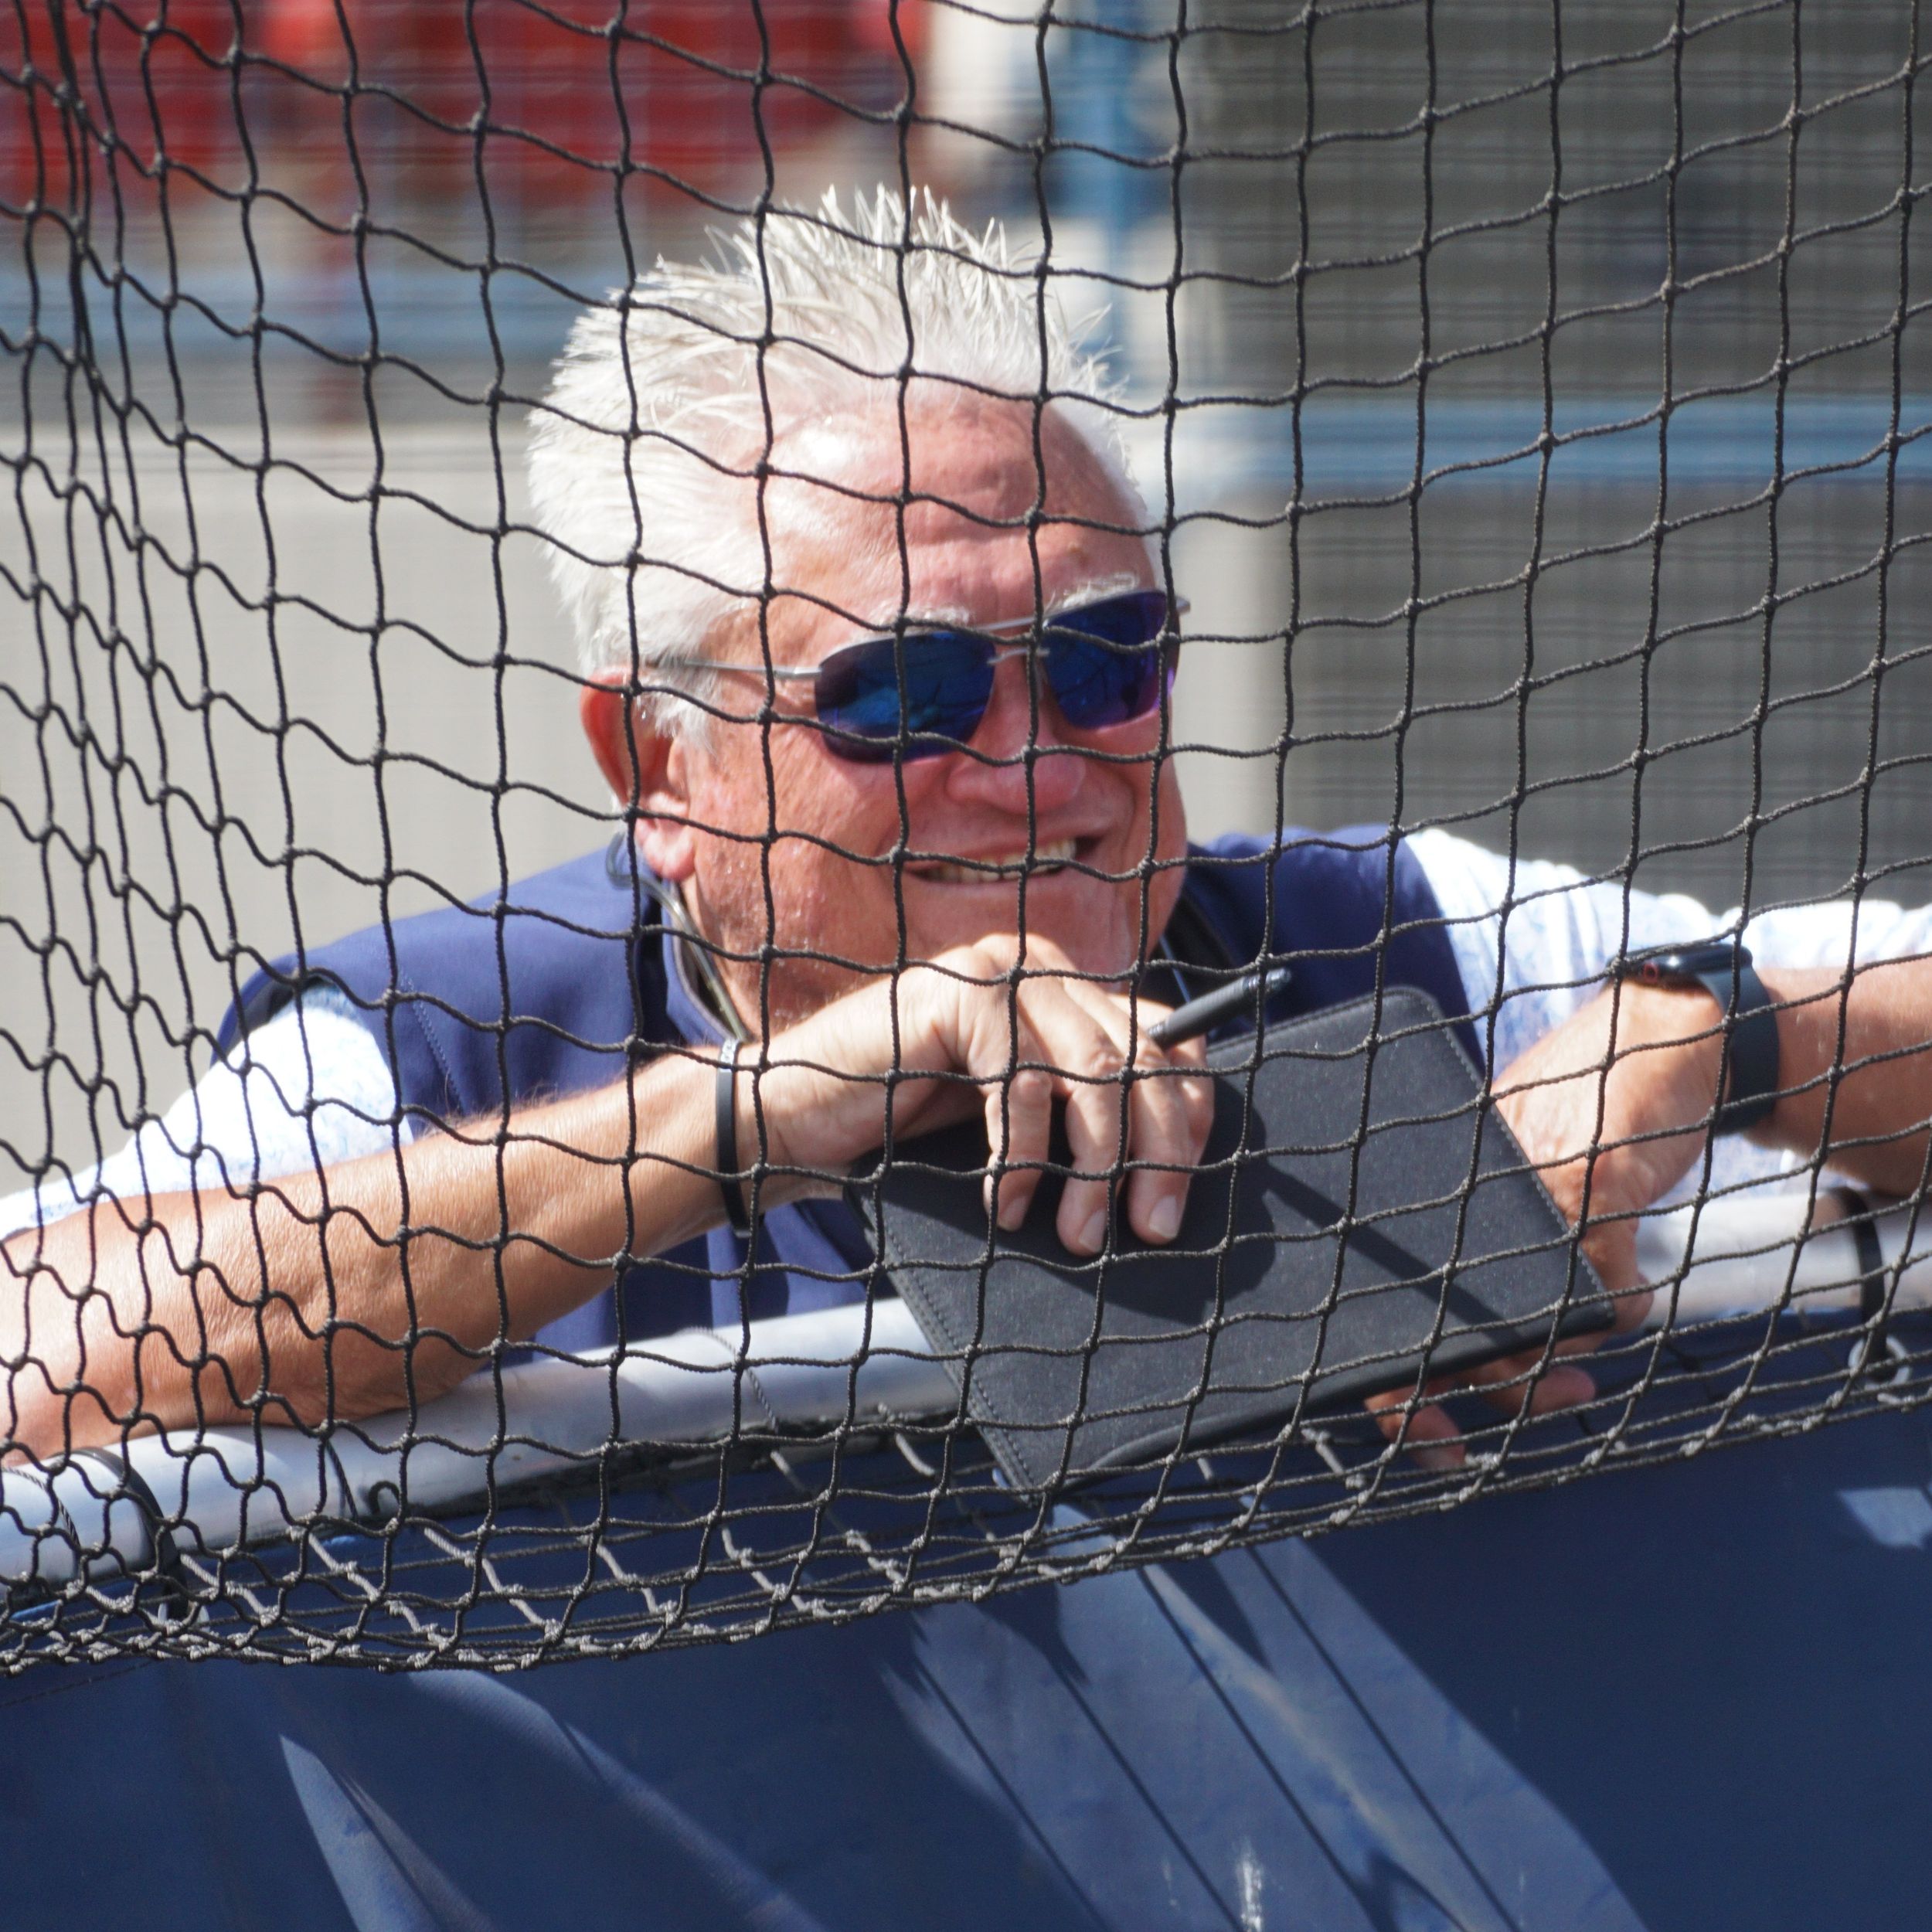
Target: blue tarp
[{"x": 1691, "y": 1697}]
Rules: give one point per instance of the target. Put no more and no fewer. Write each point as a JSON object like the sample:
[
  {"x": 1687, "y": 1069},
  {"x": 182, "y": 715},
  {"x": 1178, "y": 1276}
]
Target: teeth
[{"x": 1047, "y": 858}]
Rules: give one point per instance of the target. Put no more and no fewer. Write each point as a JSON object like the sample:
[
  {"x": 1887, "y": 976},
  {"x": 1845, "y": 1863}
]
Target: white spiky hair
[{"x": 643, "y": 456}]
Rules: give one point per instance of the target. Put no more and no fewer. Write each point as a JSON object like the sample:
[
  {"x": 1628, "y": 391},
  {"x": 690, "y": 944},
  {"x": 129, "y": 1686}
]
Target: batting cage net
[{"x": 615, "y": 768}]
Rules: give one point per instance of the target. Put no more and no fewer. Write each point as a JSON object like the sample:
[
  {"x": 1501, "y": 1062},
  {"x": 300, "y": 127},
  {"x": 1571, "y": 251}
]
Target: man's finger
[
  {"x": 1094, "y": 1138},
  {"x": 1428, "y": 1434},
  {"x": 1169, "y": 1115},
  {"x": 1165, "y": 1147},
  {"x": 1019, "y": 1118},
  {"x": 1506, "y": 1383},
  {"x": 1547, "y": 1387},
  {"x": 1080, "y": 1038}
]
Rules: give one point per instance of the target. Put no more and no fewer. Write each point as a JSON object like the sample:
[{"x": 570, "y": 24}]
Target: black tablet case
[{"x": 1243, "y": 1320}]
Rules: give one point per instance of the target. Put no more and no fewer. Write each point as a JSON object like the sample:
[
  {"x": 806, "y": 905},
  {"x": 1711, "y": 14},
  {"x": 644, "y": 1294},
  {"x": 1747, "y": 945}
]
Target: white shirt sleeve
[
  {"x": 1532, "y": 939},
  {"x": 307, "y": 1089}
]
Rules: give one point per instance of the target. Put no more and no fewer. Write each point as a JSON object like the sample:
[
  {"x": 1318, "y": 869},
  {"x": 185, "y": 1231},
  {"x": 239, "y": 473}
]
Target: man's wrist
[
  {"x": 770, "y": 1095},
  {"x": 1747, "y": 1018},
  {"x": 739, "y": 1201}
]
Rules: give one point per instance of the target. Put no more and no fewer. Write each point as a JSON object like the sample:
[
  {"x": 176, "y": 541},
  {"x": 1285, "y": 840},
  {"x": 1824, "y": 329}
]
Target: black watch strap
[
  {"x": 1723, "y": 968},
  {"x": 725, "y": 1130}
]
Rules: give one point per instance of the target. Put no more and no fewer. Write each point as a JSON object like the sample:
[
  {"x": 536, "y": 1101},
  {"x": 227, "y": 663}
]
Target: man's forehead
[
  {"x": 977, "y": 460},
  {"x": 975, "y": 578},
  {"x": 845, "y": 528}
]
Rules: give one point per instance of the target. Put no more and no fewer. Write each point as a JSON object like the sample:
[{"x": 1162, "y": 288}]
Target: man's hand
[
  {"x": 318, "y": 1297},
  {"x": 1610, "y": 1108},
  {"x": 965, "y": 1034}
]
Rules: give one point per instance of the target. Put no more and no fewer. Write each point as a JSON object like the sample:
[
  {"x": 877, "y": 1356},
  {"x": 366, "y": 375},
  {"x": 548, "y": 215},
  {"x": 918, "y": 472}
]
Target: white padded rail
[
  {"x": 224, "y": 1488},
  {"x": 221, "y": 1489},
  {"x": 1763, "y": 1250}
]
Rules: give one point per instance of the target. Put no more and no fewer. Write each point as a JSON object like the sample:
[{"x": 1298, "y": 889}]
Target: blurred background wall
[{"x": 1533, "y": 396}]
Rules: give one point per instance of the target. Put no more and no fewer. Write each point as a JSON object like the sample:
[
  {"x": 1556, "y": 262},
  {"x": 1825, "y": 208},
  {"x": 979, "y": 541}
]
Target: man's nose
[{"x": 994, "y": 772}]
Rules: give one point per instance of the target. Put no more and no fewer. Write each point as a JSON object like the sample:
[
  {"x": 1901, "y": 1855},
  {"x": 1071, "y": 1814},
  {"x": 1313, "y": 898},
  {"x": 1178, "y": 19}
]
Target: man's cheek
[{"x": 828, "y": 902}]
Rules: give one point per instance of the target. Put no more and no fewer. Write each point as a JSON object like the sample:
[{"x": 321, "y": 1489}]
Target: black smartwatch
[{"x": 1723, "y": 968}]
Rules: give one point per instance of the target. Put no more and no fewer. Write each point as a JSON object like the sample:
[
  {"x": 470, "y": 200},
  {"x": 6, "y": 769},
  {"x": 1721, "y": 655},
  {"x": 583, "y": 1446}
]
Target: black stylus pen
[{"x": 1203, "y": 1015}]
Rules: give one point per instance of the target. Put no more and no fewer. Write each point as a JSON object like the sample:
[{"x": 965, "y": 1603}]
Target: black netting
[{"x": 1526, "y": 407}]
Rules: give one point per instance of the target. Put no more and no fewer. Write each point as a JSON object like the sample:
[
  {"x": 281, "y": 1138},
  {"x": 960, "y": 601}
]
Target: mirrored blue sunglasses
[{"x": 923, "y": 694}]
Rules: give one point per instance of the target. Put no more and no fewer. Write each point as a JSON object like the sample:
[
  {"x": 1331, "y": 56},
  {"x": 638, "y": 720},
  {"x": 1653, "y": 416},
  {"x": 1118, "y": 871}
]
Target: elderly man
[{"x": 878, "y": 646}]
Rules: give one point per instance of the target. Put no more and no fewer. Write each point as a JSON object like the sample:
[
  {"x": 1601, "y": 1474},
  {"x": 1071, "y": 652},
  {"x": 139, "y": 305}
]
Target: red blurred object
[
  {"x": 559, "y": 94},
  {"x": 154, "y": 80}
]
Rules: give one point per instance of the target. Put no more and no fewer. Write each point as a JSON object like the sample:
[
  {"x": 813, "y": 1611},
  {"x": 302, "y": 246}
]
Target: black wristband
[
  {"x": 1723, "y": 968},
  {"x": 725, "y": 1114}
]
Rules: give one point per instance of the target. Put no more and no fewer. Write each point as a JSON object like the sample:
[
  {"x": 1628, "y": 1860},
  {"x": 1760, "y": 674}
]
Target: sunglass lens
[
  {"x": 944, "y": 678},
  {"x": 1106, "y": 662}
]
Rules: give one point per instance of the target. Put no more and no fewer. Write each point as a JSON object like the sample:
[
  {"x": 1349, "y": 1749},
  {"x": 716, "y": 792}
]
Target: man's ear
[{"x": 645, "y": 768}]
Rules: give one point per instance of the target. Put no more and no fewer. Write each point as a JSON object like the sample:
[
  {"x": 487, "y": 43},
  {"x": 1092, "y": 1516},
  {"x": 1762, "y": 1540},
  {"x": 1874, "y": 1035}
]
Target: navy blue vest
[{"x": 569, "y": 977}]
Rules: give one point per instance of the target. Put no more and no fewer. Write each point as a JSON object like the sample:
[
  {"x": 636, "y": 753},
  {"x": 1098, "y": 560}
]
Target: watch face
[{"x": 1688, "y": 962}]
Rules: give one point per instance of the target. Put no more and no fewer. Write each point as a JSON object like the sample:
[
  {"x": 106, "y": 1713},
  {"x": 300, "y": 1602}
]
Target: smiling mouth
[{"x": 1049, "y": 857}]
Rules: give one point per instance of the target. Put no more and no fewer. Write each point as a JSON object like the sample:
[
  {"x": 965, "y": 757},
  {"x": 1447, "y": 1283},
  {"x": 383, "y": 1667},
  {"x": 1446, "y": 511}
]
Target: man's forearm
[
  {"x": 370, "y": 1284},
  {"x": 1860, "y": 1057},
  {"x": 387, "y": 1280}
]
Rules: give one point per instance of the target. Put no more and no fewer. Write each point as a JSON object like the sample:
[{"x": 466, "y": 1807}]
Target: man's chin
[{"x": 1095, "y": 923}]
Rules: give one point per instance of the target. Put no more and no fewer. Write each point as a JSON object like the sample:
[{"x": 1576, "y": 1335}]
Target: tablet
[{"x": 1362, "y": 1215}]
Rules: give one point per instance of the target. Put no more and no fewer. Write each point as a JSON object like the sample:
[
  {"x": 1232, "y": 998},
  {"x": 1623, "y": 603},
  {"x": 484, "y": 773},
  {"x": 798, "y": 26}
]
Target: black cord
[{"x": 1872, "y": 1270}]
